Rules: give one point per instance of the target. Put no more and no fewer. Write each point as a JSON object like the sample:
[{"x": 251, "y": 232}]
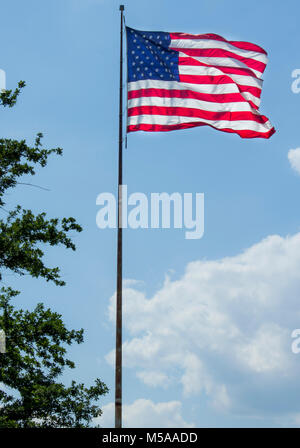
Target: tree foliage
[{"x": 35, "y": 358}]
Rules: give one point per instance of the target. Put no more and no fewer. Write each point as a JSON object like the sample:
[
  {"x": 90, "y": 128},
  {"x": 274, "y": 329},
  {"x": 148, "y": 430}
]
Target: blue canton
[{"x": 149, "y": 56}]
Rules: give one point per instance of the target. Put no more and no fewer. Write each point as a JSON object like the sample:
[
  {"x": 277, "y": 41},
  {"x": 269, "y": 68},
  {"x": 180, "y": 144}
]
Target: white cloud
[
  {"x": 153, "y": 378},
  {"x": 294, "y": 159},
  {"x": 223, "y": 330},
  {"x": 144, "y": 413},
  {"x": 265, "y": 350},
  {"x": 127, "y": 282}
]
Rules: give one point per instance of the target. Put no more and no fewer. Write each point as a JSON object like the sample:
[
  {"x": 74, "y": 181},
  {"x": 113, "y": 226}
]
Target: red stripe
[
  {"x": 197, "y": 36},
  {"x": 213, "y": 98},
  {"x": 204, "y": 79},
  {"x": 163, "y": 128},
  {"x": 255, "y": 91},
  {"x": 164, "y": 93},
  {"x": 248, "y": 46},
  {"x": 219, "y": 53},
  {"x": 230, "y": 70},
  {"x": 242, "y": 45},
  {"x": 198, "y": 79},
  {"x": 199, "y": 113}
]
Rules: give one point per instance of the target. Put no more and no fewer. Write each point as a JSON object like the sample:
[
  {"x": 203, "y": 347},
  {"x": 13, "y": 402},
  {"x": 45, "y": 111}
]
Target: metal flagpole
[{"x": 118, "y": 384}]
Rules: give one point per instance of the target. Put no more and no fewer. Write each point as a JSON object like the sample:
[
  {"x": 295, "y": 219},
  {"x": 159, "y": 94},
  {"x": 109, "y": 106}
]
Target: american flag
[{"x": 178, "y": 81}]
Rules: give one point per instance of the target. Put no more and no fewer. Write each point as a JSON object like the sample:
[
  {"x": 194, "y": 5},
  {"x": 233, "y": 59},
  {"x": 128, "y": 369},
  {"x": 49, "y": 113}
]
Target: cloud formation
[
  {"x": 223, "y": 331},
  {"x": 294, "y": 159},
  {"x": 146, "y": 414}
]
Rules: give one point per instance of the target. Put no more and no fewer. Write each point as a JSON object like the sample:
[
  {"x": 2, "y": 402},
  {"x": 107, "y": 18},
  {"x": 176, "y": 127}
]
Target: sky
[{"x": 207, "y": 322}]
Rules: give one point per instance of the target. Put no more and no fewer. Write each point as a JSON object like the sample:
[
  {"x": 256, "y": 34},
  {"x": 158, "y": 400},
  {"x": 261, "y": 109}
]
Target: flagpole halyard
[{"x": 118, "y": 372}]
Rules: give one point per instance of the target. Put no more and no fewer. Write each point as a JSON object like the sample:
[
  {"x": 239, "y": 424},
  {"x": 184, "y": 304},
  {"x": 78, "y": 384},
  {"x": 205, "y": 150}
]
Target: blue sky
[{"x": 244, "y": 375}]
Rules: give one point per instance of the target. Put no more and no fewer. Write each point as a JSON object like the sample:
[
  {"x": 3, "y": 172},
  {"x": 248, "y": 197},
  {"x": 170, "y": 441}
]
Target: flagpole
[{"x": 118, "y": 379}]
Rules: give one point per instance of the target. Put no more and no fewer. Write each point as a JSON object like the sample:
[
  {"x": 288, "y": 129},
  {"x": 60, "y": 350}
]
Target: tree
[{"x": 36, "y": 340}]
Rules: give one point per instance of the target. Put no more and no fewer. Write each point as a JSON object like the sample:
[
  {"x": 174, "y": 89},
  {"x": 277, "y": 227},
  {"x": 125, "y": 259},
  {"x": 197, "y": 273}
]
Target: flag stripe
[
  {"x": 195, "y": 112},
  {"x": 226, "y": 58},
  {"x": 186, "y": 60},
  {"x": 187, "y": 69},
  {"x": 240, "y": 81},
  {"x": 207, "y": 93},
  {"x": 163, "y": 101},
  {"x": 164, "y": 93},
  {"x": 200, "y": 80},
  {"x": 218, "y": 124},
  {"x": 244, "y": 133},
  {"x": 242, "y": 45},
  {"x": 213, "y": 45},
  {"x": 208, "y": 87},
  {"x": 214, "y": 90},
  {"x": 225, "y": 61}
]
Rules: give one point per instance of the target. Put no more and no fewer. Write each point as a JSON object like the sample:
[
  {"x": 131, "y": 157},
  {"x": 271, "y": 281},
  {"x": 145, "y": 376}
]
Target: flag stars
[{"x": 149, "y": 58}]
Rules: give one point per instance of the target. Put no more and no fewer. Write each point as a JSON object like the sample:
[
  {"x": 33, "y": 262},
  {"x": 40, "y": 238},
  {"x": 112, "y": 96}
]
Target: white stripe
[
  {"x": 211, "y": 44},
  {"x": 246, "y": 80},
  {"x": 214, "y": 89},
  {"x": 190, "y": 103},
  {"x": 243, "y": 80},
  {"x": 219, "y": 124},
  {"x": 249, "y": 97},
  {"x": 223, "y": 62},
  {"x": 176, "y": 85}
]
